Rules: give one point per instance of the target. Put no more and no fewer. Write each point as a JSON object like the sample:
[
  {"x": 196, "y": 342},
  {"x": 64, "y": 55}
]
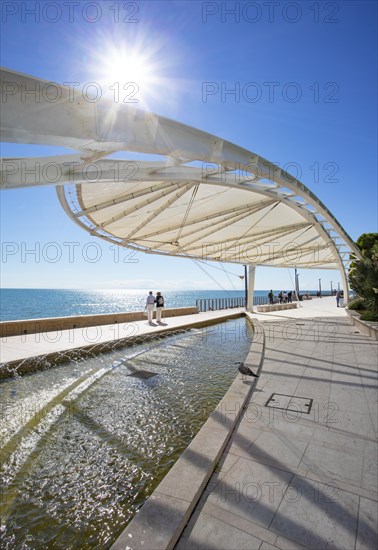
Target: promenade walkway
[{"x": 301, "y": 470}]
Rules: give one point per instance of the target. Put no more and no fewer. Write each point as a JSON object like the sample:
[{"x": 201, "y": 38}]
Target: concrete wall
[
  {"x": 370, "y": 329},
  {"x": 32, "y": 326}
]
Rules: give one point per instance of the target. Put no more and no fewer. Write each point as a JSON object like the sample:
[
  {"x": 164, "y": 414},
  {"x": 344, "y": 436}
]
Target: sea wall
[{"x": 33, "y": 326}]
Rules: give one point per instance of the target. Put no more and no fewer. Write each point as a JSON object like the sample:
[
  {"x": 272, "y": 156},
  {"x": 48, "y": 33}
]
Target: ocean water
[{"x": 18, "y": 304}]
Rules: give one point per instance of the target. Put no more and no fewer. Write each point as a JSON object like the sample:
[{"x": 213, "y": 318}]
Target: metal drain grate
[{"x": 290, "y": 403}]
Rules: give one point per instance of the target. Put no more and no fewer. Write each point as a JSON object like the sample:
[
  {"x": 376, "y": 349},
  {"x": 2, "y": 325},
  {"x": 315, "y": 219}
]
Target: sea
[{"x": 27, "y": 303}]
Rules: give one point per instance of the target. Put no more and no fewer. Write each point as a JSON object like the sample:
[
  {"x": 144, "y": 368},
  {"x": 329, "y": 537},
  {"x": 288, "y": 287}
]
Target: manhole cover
[
  {"x": 143, "y": 374},
  {"x": 289, "y": 403}
]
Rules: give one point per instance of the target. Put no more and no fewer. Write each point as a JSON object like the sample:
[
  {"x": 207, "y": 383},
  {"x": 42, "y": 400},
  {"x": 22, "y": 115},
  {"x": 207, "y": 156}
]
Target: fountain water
[{"x": 85, "y": 444}]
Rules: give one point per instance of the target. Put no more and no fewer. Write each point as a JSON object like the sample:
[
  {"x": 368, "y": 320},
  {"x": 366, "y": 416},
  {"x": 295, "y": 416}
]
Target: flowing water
[{"x": 85, "y": 444}]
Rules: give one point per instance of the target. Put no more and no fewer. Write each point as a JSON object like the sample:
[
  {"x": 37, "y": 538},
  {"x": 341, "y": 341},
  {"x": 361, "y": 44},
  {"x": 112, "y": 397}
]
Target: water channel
[{"x": 84, "y": 444}]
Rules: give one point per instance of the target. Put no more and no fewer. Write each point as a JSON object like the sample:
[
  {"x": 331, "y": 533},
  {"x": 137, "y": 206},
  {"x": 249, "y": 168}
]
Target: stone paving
[{"x": 298, "y": 476}]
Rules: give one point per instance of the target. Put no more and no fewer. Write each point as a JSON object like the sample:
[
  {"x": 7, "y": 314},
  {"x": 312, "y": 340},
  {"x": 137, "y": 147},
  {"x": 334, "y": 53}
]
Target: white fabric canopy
[{"x": 205, "y": 198}]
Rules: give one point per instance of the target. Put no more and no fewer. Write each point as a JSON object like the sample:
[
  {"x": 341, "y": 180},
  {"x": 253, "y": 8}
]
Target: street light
[
  {"x": 320, "y": 288},
  {"x": 331, "y": 289}
]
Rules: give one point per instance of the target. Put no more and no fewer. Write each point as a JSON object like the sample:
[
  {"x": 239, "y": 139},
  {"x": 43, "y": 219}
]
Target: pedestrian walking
[
  {"x": 159, "y": 300},
  {"x": 271, "y": 297},
  {"x": 150, "y": 302},
  {"x": 339, "y": 295}
]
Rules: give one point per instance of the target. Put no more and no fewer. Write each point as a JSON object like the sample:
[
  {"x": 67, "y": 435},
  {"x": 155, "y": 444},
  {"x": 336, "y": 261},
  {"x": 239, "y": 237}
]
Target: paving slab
[
  {"x": 317, "y": 516},
  {"x": 367, "y": 525},
  {"x": 210, "y": 529}
]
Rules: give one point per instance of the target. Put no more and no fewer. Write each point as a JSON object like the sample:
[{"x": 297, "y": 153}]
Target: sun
[
  {"x": 128, "y": 73},
  {"x": 138, "y": 70},
  {"x": 127, "y": 67}
]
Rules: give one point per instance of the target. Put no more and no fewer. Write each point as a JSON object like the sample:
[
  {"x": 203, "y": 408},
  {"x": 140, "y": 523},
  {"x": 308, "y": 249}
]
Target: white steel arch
[{"x": 203, "y": 198}]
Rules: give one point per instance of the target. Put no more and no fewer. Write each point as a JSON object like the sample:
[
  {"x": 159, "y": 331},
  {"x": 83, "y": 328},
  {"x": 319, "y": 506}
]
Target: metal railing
[
  {"x": 212, "y": 304},
  {"x": 260, "y": 300}
]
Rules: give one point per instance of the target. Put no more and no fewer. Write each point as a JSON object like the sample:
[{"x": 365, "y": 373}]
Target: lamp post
[
  {"x": 320, "y": 288},
  {"x": 331, "y": 289},
  {"x": 338, "y": 285}
]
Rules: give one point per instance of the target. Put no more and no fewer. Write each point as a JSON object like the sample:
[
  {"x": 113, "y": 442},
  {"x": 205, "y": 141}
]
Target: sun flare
[
  {"x": 138, "y": 70},
  {"x": 128, "y": 74},
  {"x": 128, "y": 67}
]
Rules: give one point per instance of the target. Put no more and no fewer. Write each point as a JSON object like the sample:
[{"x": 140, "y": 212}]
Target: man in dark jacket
[{"x": 159, "y": 301}]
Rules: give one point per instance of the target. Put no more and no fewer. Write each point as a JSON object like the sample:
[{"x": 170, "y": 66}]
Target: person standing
[
  {"x": 271, "y": 297},
  {"x": 289, "y": 297},
  {"x": 338, "y": 296},
  {"x": 159, "y": 306},
  {"x": 150, "y": 302}
]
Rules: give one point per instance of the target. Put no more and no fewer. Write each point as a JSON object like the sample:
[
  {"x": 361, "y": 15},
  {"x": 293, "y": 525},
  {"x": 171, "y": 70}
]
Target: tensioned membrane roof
[{"x": 203, "y": 197}]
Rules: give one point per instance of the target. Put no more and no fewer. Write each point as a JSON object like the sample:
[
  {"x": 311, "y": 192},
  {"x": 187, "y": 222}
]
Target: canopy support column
[
  {"x": 345, "y": 282},
  {"x": 251, "y": 286}
]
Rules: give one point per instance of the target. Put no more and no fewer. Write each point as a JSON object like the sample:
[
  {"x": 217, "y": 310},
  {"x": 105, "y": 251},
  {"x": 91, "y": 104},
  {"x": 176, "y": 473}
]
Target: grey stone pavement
[{"x": 298, "y": 476}]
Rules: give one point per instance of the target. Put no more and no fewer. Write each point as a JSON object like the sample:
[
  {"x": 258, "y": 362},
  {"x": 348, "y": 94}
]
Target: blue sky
[{"x": 305, "y": 86}]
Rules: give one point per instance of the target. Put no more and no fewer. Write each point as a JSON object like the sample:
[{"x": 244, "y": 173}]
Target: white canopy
[{"x": 204, "y": 198}]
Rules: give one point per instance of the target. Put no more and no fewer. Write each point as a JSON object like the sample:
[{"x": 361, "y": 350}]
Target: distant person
[
  {"x": 280, "y": 297},
  {"x": 289, "y": 297},
  {"x": 159, "y": 306},
  {"x": 339, "y": 294},
  {"x": 271, "y": 297},
  {"x": 284, "y": 297},
  {"x": 150, "y": 302}
]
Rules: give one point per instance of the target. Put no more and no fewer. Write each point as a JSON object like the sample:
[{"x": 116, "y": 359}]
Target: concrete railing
[
  {"x": 33, "y": 326},
  {"x": 275, "y": 307}
]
